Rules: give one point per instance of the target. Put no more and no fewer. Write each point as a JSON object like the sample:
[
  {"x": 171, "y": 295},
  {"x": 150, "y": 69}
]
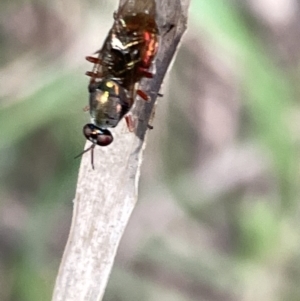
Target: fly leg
[
  {"x": 94, "y": 60},
  {"x": 94, "y": 73},
  {"x": 130, "y": 123},
  {"x": 143, "y": 95}
]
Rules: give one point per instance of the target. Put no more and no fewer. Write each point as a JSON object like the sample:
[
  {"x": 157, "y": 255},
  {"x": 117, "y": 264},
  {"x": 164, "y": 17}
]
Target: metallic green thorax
[{"x": 108, "y": 103}]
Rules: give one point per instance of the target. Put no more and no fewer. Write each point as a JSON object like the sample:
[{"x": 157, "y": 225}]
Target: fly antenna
[{"x": 91, "y": 148}]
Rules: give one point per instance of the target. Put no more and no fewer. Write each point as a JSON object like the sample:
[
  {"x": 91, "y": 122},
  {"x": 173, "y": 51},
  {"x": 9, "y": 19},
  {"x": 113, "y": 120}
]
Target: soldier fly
[{"x": 124, "y": 59}]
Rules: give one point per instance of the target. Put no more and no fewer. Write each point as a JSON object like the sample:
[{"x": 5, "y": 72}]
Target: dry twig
[{"x": 106, "y": 196}]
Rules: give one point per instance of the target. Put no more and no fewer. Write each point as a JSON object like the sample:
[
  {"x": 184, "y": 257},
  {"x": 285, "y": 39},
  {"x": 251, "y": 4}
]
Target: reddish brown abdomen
[{"x": 150, "y": 49}]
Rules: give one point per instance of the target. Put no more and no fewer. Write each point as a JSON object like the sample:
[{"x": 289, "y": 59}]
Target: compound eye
[
  {"x": 96, "y": 135},
  {"x": 104, "y": 138}
]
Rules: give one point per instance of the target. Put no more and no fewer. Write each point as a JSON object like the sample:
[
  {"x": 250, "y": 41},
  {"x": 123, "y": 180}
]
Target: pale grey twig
[{"x": 106, "y": 196}]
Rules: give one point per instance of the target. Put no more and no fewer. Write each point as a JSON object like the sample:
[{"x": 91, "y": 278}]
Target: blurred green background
[{"x": 218, "y": 212}]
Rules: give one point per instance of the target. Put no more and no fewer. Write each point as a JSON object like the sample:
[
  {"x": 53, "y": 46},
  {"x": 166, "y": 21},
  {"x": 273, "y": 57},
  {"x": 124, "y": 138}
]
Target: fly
[{"x": 124, "y": 59}]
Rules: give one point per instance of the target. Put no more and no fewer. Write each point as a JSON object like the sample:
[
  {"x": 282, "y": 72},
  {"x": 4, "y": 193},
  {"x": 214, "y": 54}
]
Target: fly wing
[{"x": 128, "y": 7}]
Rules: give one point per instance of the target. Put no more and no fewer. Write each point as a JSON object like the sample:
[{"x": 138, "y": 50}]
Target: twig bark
[{"x": 106, "y": 196}]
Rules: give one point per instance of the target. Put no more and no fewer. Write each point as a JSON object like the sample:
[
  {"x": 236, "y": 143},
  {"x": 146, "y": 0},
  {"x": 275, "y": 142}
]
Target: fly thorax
[{"x": 107, "y": 104}]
